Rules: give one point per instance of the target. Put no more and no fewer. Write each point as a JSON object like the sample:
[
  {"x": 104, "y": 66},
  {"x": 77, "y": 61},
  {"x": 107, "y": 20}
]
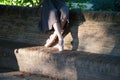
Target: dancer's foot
[
  {"x": 50, "y": 40},
  {"x": 61, "y": 45}
]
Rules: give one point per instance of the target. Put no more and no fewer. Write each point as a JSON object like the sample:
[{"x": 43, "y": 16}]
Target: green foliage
[
  {"x": 32, "y": 3},
  {"x": 79, "y": 4},
  {"x": 20, "y": 2},
  {"x": 77, "y": 1},
  {"x": 106, "y": 5},
  {"x": 103, "y": 5}
]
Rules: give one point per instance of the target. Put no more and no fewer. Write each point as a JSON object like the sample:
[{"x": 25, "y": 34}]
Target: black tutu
[{"x": 52, "y": 11}]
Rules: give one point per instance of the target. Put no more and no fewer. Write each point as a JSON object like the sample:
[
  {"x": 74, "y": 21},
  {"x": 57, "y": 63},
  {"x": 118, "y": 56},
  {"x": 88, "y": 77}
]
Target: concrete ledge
[
  {"x": 68, "y": 65},
  {"x": 16, "y": 75},
  {"x": 104, "y": 16}
]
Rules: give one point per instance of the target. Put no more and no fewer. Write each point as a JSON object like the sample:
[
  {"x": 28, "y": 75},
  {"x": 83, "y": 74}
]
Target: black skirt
[{"x": 52, "y": 11}]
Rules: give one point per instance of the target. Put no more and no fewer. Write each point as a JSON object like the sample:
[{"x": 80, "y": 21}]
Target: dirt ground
[{"x": 23, "y": 76}]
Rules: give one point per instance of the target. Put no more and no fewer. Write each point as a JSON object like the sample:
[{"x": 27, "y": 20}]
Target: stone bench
[
  {"x": 68, "y": 65},
  {"x": 90, "y": 32}
]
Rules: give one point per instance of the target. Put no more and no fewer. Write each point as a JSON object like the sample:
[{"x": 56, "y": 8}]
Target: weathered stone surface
[
  {"x": 94, "y": 37},
  {"x": 68, "y": 65},
  {"x": 23, "y": 76},
  {"x": 90, "y": 31},
  {"x": 95, "y": 33}
]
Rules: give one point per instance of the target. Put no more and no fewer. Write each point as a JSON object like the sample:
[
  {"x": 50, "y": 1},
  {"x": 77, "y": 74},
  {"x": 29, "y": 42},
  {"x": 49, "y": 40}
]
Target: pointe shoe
[
  {"x": 50, "y": 40},
  {"x": 61, "y": 45}
]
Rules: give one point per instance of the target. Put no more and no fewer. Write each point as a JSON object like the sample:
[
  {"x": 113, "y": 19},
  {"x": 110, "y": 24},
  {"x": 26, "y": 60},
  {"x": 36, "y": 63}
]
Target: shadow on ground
[{"x": 8, "y": 61}]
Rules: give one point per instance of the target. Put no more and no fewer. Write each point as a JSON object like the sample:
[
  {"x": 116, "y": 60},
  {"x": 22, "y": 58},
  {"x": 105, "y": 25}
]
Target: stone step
[
  {"x": 16, "y": 75},
  {"x": 8, "y": 61},
  {"x": 68, "y": 65}
]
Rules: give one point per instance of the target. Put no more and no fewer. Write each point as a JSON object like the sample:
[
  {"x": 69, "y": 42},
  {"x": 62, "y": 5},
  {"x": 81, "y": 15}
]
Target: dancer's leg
[
  {"x": 50, "y": 40},
  {"x": 54, "y": 35},
  {"x": 63, "y": 24},
  {"x": 57, "y": 33},
  {"x": 57, "y": 29}
]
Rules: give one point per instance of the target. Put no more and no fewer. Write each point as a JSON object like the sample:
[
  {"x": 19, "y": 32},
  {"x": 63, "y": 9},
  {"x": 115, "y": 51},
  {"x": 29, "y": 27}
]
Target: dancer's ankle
[{"x": 61, "y": 45}]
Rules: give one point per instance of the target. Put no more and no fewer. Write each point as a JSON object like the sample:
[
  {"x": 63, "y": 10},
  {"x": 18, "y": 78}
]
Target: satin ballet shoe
[
  {"x": 50, "y": 40},
  {"x": 60, "y": 48},
  {"x": 61, "y": 45}
]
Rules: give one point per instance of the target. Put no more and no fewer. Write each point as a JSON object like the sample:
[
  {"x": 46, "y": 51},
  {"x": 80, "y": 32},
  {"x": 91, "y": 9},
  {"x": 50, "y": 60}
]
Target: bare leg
[
  {"x": 53, "y": 36},
  {"x": 57, "y": 29},
  {"x": 57, "y": 33},
  {"x": 63, "y": 23}
]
